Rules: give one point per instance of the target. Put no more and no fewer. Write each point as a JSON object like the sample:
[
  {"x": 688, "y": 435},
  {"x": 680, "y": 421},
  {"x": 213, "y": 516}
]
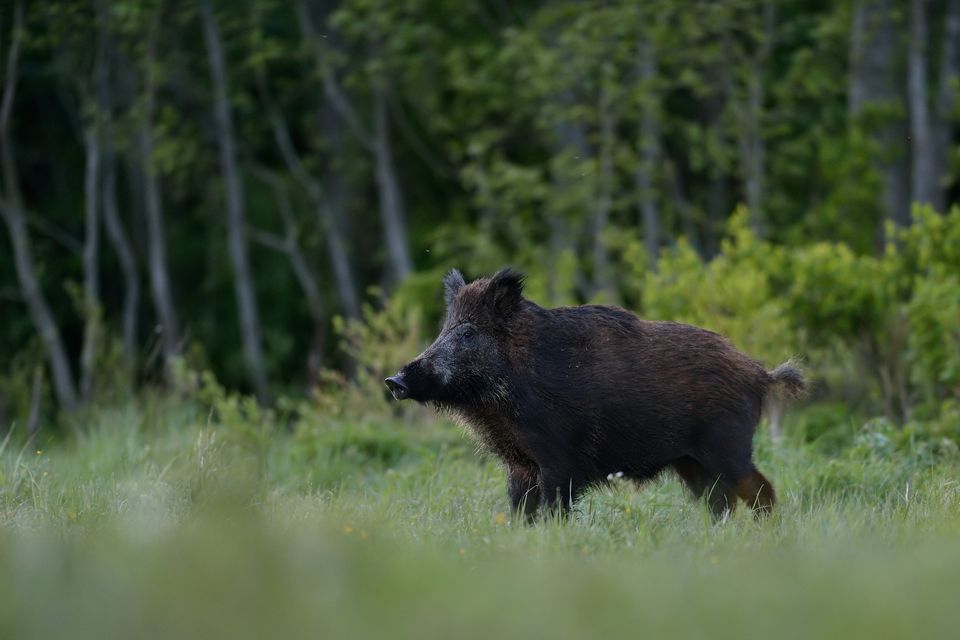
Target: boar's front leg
[{"x": 523, "y": 485}]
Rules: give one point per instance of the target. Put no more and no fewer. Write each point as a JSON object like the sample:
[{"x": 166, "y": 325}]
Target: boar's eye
[{"x": 469, "y": 333}]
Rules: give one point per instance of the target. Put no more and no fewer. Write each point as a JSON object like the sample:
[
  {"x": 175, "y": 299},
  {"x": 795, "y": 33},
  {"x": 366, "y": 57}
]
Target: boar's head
[{"x": 468, "y": 361}]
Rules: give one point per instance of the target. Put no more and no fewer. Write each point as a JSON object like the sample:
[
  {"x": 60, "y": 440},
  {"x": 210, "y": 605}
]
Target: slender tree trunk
[
  {"x": 874, "y": 80},
  {"x": 330, "y": 209},
  {"x": 242, "y": 276},
  {"x": 12, "y": 212},
  {"x": 718, "y": 207},
  {"x": 649, "y": 156},
  {"x": 39, "y": 310},
  {"x": 858, "y": 36},
  {"x": 160, "y": 285},
  {"x": 289, "y": 245},
  {"x": 149, "y": 182},
  {"x": 753, "y": 151},
  {"x": 33, "y": 417},
  {"x": 96, "y": 136},
  {"x": 91, "y": 257},
  {"x": 946, "y": 98},
  {"x": 327, "y": 208},
  {"x": 558, "y": 242},
  {"x": 392, "y": 207},
  {"x": 11, "y": 178},
  {"x": 377, "y": 140},
  {"x": 605, "y": 186},
  {"x": 752, "y": 144},
  {"x": 125, "y": 256},
  {"x": 571, "y": 139},
  {"x": 923, "y": 182},
  {"x": 333, "y": 209},
  {"x": 116, "y": 233},
  {"x": 678, "y": 194}
]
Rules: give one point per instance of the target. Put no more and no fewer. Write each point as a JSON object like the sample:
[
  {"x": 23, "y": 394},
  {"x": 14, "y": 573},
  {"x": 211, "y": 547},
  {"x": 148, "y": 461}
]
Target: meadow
[{"x": 200, "y": 515}]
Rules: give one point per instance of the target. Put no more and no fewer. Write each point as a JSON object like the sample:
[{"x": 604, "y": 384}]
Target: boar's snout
[{"x": 397, "y": 386}]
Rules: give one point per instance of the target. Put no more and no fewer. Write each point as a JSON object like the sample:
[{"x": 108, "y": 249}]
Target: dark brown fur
[{"x": 566, "y": 396}]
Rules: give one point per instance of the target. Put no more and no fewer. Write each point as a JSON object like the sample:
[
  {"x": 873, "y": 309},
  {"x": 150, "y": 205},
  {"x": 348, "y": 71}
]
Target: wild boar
[{"x": 565, "y": 397}]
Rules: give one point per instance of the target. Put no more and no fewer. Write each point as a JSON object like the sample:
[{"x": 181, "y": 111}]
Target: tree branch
[
  {"x": 436, "y": 163},
  {"x": 331, "y": 88},
  {"x": 269, "y": 240},
  {"x": 55, "y": 233},
  {"x": 290, "y": 245}
]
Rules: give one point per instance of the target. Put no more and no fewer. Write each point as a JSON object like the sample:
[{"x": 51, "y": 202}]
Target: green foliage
[
  {"x": 733, "y": 294},
  {"x": 377, "y": 345},
  {"x": 244, "y": 422},
  {"x": 932, "y": 248}
]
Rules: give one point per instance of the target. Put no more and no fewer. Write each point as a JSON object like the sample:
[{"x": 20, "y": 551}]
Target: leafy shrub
[
  {"x": 245, "y": 423},
  {"x": 733, "y": 294},
  {"x": 931, "y": 259},
  {"x": 377, "y": 344}
]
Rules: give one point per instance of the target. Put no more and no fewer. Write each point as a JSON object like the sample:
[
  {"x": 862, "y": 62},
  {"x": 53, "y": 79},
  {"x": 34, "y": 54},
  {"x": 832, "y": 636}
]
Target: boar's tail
[{"x": 787, "y": 380}]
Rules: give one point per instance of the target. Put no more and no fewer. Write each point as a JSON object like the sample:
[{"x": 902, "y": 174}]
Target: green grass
[{"x": 167, "y": 520}]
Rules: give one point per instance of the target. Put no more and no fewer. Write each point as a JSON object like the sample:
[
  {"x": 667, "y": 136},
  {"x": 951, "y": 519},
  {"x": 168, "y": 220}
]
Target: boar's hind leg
[
  {"x": 721, "y": 497},
  {"x": 560, "y": 490},
  {"x": 693, "y": 475},
  {"x": 523, "y": 485},
  {"x": 757, "y": 492}
]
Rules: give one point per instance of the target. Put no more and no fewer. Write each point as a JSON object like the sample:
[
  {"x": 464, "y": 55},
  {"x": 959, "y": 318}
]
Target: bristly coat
[{"x": 565, "y": 397}]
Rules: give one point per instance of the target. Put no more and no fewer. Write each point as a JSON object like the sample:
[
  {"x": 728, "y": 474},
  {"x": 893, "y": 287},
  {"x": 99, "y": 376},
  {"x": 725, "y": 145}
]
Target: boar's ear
[
  {"x": 506, "y": 290},
  {"x": 452, "y": 283}
]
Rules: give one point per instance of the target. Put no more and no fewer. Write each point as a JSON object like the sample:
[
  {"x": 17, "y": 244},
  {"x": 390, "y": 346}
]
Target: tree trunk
[
  {"x": 33, "y": 417},
  {"x": 125, "y": 256},
  {"x": 923, "y": 182},
  {"x": 946, "y": 98},
  {"x": 718, "y": 208},
  {"x": 326, "y": 208},
  {"x": 116, "y": 233},
  {"x": 149, "y": 182},
  {"x": 571, "y": 138},
  {"x": 752, "y": 144},
  {"x": 649, "y": 156},
  {"x": 11, "y": 178},
  {"x": 289, "y": 245},
  {"x": 752, "y": 152},
  {"x": 160, "y": 285},
  {"x": 91, "y": 255},
  {"x": 605, "y": 185},
  {"x": 96, "y": 136},
  {"x": 377, "y": 141},
  {"x": 557, "y": 243},
  {"x": 856, "y": 90},
  {"x": 40, "y": 312},
  {"x": 331, "y": 209},
  {"x": 392, "y": 207},
  {"x": 12, "y": 212},
  {"x": 874, "y": 80},
  {"x": 236, "y": 240}
]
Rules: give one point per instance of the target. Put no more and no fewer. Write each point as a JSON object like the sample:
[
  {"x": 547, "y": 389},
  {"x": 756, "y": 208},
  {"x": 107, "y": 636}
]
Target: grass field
[{"x": 166, "y": 519}]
